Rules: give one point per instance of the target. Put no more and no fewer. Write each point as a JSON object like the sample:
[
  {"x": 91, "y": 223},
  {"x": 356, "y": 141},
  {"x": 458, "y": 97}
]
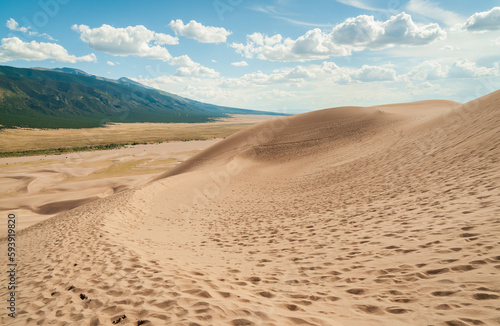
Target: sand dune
[
  {"x": 385, "y": 215},
  {"x": 38, "y": 187}
]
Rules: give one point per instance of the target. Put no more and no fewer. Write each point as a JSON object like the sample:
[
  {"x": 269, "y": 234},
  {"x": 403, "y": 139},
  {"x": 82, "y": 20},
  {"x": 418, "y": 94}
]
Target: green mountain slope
[{"x": 71, "y": 98}]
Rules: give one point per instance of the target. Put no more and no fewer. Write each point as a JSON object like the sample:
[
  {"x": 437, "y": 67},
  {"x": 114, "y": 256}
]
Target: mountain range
[{"x": 72, "y": 98}]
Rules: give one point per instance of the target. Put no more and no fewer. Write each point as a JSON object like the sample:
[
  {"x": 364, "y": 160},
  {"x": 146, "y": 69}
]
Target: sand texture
[
  {"x": 39, "y": 187},
  {"x": 385, "y": 215}
]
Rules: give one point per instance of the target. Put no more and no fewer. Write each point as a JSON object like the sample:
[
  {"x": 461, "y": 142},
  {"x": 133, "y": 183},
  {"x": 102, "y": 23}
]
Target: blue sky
[{"x": 282, "y": 55}]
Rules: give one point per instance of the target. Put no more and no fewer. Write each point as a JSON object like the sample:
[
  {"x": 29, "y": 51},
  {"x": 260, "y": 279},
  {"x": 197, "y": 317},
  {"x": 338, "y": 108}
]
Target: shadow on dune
[{"x": 62, "y": 206}]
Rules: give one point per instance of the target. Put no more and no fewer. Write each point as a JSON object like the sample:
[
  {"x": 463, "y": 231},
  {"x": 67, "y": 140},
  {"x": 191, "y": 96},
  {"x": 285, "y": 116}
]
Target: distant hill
[{"x": 71, "y": 98}]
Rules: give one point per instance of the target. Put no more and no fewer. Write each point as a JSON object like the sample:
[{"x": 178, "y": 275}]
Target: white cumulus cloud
[
  {"x": 366, "y": 32},
  {"x": 468, "y": 69},
  {"x": 463, "y": 68},
  {"x": 183, "y": 61},
  {"x": 13, "y": 25},
  {"x": 190, "y": 68},
  {"x": 428, "y": 70},
  {"x": 311, "y": 46},
  {"x": 374, "y": 73},
  {"x": 354, "y": 34},
  {"x": 484, "y": 21},
  {"x": 199, "y": 32},
  {"x": 197, "y": 71},
  {"x": 259, "y": 79},
  {"x": 131, "y": 40},
  {"x": 302, "y": 75},
  {"x": 14, "y": 49},
  {"x": 239, "y": 64}
]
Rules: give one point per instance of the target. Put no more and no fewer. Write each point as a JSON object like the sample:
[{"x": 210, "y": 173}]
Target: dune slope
[{"x": 385, "y": 215}]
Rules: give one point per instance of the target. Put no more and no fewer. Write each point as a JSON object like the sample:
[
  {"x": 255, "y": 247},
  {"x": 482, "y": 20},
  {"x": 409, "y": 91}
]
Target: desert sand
[
  {"x": 384, "y": 215},
  {"x": 39, "y": 187}
]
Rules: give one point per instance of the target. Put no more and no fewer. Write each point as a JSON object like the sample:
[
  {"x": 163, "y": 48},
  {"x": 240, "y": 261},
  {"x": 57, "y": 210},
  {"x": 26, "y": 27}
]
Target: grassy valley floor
[{"x": 52, "y": 141}]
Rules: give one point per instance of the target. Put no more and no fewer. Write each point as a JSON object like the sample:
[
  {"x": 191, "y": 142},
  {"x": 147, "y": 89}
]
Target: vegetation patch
[{"x": 61, "y": 150}]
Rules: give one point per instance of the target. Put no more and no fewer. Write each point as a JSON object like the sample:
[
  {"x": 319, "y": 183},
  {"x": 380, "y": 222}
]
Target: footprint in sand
[{"x": 119, "y": 319}]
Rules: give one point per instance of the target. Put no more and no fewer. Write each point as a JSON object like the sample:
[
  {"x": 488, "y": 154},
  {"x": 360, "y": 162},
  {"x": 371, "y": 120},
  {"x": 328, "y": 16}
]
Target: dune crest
[{"x": 385, "y": 215}]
